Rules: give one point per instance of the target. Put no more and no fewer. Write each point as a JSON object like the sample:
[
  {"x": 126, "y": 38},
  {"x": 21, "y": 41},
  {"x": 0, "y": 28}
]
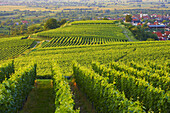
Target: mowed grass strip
[{"x": 41, "y": 99}]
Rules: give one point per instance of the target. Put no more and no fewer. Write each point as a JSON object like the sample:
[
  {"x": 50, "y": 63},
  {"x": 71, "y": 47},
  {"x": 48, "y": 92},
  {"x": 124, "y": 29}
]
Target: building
[
  {"x": 163, "y": 36},
  {"x": 157, "y": 26},
  {"x": 24, "y": 22}
]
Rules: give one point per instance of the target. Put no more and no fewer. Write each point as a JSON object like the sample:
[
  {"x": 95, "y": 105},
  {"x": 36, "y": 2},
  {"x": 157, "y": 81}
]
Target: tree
[
  {"x": 105, "y": 18},
  {"x": 150, "y": 39},
  {"x": 35, "y": 28},
  {"x": 164, "y": 21},
  {"x": 128, "y": 18},
  {"x": 51, "y": 24},
  {"x": 63, "y": 21},
  {"x": 23, "y": 29}
]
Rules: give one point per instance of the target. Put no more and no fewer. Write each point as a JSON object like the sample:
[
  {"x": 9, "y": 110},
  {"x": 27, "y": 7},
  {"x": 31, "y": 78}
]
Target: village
[{"x": 157, "y": 24}]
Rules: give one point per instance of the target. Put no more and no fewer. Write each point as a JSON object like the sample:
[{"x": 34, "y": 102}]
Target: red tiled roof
[
  {"x": 159, "y": 16},
  {"x": 135, "y": 19},
  {"x": 25, "y": 22},
  {"x": 167, "y": 32},
  {"x": 159, "y": 34},
  {"x": 145, "y": 17},
  {"x": 155, "y": 23}
]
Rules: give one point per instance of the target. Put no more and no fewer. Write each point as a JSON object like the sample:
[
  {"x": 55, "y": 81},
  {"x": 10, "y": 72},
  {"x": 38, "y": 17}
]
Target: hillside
[
  {"x": 106, "y": 53},
  {"x": 85, "y": 68},
  {"x": 12, "y": 47},
  {"x": 84, "y": 33}
]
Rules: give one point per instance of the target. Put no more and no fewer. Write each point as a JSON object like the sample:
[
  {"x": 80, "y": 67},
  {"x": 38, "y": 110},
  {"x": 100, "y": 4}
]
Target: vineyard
[
  {"x": 70, "y": 41},
  {"x": 11, "y": 48},
  {"x": 111, "y": 76},
  {"x": 139, "y": 52},
  {"x": 16, "y": 88},
  {"x": 84, "y": 34}
]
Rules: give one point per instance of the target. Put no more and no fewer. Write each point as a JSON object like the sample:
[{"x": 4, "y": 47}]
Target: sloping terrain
[{"x": 88, "y": 33}]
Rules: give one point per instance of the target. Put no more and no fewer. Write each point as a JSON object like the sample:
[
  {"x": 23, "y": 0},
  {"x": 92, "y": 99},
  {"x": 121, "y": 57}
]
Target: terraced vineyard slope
[
  {"x": 139, "y": 52},
  {"x": 12, "y": 47},
  {"x": 87, "y": 33},
  {"x": 113, "y": 76}
]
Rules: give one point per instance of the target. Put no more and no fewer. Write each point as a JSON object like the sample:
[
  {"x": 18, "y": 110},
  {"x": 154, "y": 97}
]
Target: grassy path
[
  {"x": 41, "y": 99},
  {"x": 128, "y": 33}
]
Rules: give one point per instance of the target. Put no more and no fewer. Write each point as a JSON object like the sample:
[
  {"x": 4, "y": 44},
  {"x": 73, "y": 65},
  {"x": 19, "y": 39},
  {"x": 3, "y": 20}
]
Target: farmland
[
  {"x": 11, "y": 48},
  {"x": 22, "y": 8},
  {"x": 114, "y": 76},
  {"x": 105, "y": 53},
  {"x": 134, "y": 59},
  {"x": 84, "y": 33}
]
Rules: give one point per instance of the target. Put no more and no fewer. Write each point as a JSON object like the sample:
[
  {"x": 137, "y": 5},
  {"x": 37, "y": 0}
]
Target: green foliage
[
  {"x": 128, "y": 18},
  {"x": 35, "y": 29},
  {"x": 145, "y": 64},
  {"x": 140, "y": 33},
  {"x": 12, "y": 47},
  {"x": 150, "y": 39},
  {"x": 51, "y": 24},
  {"x": 164, "y": 21},
  {"x": 63, "y": 21},
  {"x": 135, "y": 87},
  {"x": 70, "y": 41},
  {"x": 139, "y": 52},
  {"x": 6, "y": 70},
  {"x": 104, "y": 95},
  {"x": 105, "y": 18},
  {"x": 15, "y": 90},
  {"x": 86, "y": 34},
  {"x": 128, "y": 33},
  {"x": 64, "y": 101},
  {"x": 154, "y": 77}
]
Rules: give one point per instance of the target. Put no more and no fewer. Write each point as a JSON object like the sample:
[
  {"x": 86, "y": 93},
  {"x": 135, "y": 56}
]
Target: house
[
  {"x": 156, "y": 23},
  {"x": 24, "y": 22},
  {"x": 160, "y": 35},
  {"x": 139, "y": 24},
  {"x": 163, "y": 36},
  {"x": 167, "y": 34},
  {"x": 153, "y": 15}
]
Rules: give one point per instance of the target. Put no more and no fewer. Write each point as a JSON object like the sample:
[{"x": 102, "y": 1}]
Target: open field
[
  {"x": 110, "y": 7},
  {"x": 22, "y": 8}
]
